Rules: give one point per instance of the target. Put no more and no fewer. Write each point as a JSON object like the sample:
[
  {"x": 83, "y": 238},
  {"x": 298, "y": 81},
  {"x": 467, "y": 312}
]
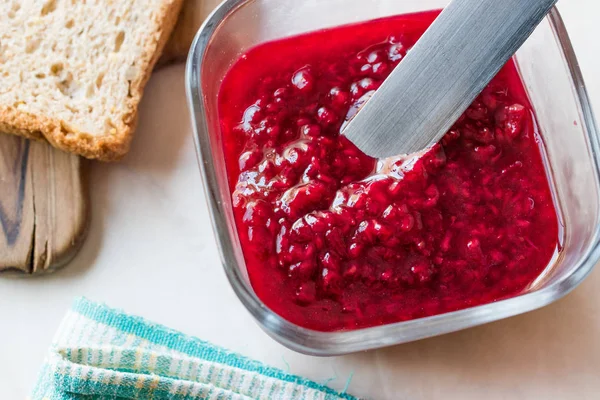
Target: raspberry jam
[{"x": 334, "y": 239}]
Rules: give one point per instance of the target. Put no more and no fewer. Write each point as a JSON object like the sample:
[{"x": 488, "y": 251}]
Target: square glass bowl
[{"x": 570, "y": 145}]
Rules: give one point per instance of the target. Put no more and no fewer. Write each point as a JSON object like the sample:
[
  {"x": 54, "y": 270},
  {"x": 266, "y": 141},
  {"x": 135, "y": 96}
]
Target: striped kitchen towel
[{"x": 102, "y": 353}]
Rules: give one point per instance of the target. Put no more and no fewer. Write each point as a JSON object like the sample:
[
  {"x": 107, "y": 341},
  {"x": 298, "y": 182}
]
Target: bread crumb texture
[{"x": 73, "y": 71}]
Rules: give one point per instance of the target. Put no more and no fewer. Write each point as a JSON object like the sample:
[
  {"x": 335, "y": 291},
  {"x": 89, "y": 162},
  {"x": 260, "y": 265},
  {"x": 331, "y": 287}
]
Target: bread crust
[{"x": 111, "y": 147}]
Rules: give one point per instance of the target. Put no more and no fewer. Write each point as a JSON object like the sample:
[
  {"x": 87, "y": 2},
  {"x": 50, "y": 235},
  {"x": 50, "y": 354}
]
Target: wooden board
[{"x": 43, "y": 206}]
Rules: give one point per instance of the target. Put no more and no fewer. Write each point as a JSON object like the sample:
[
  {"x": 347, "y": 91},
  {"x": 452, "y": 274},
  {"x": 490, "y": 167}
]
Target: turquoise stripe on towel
[{"x": 102, "y": 353}]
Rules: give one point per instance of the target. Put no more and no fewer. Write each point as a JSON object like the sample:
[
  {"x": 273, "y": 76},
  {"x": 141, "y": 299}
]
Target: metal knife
[{"x": 442, "y": 74}]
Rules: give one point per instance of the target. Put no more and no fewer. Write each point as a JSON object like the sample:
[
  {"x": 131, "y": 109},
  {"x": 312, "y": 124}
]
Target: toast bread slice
[
  {"x": 192, "y": 16},
  {"x": 73, "y": 71}
]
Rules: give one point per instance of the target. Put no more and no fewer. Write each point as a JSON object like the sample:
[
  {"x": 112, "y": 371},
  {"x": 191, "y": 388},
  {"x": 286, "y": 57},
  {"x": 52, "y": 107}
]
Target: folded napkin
[{"x": 101, "y": 353}]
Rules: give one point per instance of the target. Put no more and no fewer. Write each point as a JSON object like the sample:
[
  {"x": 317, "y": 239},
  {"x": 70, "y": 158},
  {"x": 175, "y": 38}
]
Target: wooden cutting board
[
  {"x": 43, "y": 206},
  {"x": 43, "y": 191}
]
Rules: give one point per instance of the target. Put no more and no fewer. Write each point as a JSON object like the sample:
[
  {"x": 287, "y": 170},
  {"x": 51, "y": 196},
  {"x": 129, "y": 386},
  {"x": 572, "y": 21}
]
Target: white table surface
[{"x": 151, "y": 252}]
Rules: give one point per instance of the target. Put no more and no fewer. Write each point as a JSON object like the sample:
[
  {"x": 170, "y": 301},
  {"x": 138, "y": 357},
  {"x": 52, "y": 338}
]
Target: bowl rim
[{"x": 317, "y": 343}]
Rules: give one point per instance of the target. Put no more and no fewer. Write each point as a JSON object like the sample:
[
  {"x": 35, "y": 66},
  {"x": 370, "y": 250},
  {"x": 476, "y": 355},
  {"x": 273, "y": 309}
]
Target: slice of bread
[
  {"x": 192, "y": 15},
  {"x": 73, "y": 71}
]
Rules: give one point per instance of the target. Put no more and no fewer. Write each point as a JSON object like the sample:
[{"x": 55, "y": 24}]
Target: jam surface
[{"x": 334, "y": 239}]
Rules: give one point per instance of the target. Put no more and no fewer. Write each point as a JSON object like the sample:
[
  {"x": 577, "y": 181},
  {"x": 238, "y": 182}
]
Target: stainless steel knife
[{"x": 442, "y": 74}]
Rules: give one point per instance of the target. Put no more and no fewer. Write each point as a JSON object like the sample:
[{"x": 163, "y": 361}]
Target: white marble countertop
[{"x": 151, "y": 252}]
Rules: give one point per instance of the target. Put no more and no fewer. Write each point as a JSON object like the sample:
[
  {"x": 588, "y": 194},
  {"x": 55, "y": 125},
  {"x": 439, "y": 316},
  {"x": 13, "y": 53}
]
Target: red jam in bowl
[{"x": 336, "y": 240}]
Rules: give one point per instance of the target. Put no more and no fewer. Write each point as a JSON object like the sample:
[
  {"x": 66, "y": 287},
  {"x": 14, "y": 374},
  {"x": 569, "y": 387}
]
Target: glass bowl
[{"x": 570, "y": 145}]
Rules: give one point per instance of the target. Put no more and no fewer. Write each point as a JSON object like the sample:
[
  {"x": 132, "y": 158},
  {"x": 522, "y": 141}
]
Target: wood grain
[{"x": 43, "y": 206}]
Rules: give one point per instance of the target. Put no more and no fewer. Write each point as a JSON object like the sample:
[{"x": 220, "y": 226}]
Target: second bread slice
[{"x": 73, "y": 72}]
